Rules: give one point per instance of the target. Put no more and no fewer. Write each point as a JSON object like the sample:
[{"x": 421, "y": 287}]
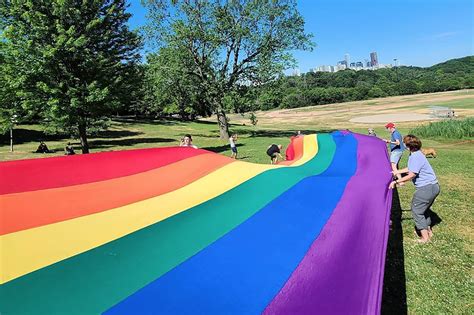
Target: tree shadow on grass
[
  {"x": 222, "y": 148},
  {"x": 132, "y": 120},
  {"x": 95, "y": 144},
  {"x": 110, "y": 134},
  {"x": 278, "y": 133},
  {"x": 205, "y": 122},
  {"x": 160, "y": 120},
  {"x": 214, "y": 135},
  {"x": 21, "y": 135},
  {"x": 394, "y": 299}
]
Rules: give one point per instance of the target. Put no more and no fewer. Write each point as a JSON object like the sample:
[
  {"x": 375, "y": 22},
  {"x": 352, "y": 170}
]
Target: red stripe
[{"x": 37, "y": 174}]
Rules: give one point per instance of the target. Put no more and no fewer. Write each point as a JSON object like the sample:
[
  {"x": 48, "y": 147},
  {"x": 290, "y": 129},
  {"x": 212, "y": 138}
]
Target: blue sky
[{"x": 416, "y": 32}]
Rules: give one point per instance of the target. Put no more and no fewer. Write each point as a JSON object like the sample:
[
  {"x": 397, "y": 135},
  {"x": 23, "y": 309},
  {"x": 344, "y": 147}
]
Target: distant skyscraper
[
  {"x": 359, "y": 64},
  {"x": 343, "y": 63},
  {"x": 323, "y": 69},
  {"x": 373, "y": 59},
  {"x": 347, "y": 59},
  {"x": 340, "y": 66}
]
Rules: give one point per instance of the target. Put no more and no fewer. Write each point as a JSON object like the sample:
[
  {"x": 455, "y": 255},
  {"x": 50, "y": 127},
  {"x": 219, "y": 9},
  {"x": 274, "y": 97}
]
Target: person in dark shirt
[
  {"x": 42, "y": 148},
  {"x": 69, "y": 150},
  {"x": 273, "y": 151}
]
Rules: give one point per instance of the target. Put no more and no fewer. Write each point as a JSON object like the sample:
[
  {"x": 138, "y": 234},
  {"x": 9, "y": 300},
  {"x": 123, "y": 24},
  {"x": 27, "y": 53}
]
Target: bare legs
[{"x": 425, "y": 236}]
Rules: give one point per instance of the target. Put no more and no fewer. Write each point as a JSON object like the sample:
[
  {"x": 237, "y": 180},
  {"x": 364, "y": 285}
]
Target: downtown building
[{"x": 373, "y": 64}]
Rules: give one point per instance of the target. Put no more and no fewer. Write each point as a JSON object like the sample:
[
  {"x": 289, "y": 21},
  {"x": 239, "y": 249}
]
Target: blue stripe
[{"x": 242, "y": 272}]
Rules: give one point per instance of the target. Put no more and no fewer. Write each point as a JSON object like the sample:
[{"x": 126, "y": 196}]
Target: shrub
[
  {"x": 449, "y": 129},
  {"x": 253, "y": 119}
]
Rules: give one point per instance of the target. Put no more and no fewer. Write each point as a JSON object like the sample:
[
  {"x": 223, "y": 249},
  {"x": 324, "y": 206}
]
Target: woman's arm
[
  {"x": 406, "y": 178},
  {"x": 402, "y": 171}
]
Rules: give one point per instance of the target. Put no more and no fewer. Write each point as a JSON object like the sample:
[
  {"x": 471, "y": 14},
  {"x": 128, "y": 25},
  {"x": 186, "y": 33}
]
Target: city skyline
[
  {"x": 348, "y": 63},
  {"x": 415, "y": 32}
]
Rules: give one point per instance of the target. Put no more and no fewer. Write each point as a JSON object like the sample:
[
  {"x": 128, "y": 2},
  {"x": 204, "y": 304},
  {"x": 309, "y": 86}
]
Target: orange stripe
[
  {"x": 298, "y": 146},
  {"x": 20, "y": 211}
]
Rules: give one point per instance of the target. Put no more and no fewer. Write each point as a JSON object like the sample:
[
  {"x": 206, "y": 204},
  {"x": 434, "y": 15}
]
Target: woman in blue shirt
[{"x": 426, "y": 186}]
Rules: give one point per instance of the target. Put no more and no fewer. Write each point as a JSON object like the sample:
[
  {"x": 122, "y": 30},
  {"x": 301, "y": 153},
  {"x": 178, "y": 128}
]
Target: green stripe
[{"x": 98, "y": 279}]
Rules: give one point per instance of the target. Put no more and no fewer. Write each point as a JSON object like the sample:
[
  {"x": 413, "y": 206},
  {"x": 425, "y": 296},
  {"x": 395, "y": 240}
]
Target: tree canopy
[
  {"x": 71, "y": 61},
  {"x": 216, "y": 47}
]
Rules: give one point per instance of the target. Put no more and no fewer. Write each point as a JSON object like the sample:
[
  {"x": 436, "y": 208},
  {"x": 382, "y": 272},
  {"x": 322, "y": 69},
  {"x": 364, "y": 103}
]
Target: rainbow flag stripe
[{"x": 184, "y": 231}]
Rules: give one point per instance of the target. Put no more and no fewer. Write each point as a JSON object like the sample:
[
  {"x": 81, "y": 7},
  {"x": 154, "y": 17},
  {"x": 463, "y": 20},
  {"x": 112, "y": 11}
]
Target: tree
[
  {"x": 8, "y": 99},
  {"x": 407, "y": 87},
  {"x": 174, "y": 90},
  {"x": 229, "y": 43},
  {"x": 72, "y": 59},
  {"x": 253, "y": 119},
  {"x": 376, "y": 91},
  {"x": 269, "y": 96}
]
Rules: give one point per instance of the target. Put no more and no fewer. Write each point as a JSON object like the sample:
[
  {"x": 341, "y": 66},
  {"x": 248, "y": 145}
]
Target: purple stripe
[{"x": 342, "y": 272}]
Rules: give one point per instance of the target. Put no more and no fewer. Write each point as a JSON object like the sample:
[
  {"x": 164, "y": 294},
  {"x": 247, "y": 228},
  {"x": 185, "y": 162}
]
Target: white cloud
[{"x": 442, "y": 35}]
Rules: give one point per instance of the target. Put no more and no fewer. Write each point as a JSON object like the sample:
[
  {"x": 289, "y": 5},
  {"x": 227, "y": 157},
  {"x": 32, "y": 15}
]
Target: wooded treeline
[{"x": 317, "y": 88}]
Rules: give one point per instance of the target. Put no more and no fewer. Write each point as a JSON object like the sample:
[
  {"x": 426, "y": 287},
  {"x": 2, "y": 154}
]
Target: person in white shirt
[{"x": 233, "y": 147}]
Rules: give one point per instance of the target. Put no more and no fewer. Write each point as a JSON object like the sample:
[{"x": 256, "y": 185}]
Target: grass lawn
[{"x": 421, "y": 279}]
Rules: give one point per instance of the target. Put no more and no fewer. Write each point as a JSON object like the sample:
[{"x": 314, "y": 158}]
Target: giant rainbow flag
[{"x": 186, "y": 231}]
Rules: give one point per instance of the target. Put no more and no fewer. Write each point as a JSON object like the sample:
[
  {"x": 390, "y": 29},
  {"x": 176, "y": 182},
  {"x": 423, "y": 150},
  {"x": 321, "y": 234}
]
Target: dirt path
[
  {"x": 400, "y": 117},
  {"x": 384, "y": 104},
  {"x": 406, "y": 109}
]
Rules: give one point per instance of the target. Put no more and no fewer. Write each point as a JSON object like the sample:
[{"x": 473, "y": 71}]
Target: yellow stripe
[{"x": 29, "y": 250}]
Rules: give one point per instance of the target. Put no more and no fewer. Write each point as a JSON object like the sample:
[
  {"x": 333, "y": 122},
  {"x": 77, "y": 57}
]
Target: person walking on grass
[
  {"x": 426, "y": 186},
  {"x": 233, "y": 147},
  {"x": 396, "y": 147},
  {"x": 273, "y": 151}
]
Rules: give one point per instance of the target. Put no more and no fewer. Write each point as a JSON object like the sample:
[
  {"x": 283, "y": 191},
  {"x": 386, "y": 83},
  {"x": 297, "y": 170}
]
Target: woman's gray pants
[{"x": 421, "y": 203}]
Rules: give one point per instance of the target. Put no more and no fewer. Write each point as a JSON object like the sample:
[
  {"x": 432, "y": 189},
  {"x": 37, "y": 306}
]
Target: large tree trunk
[
  {"x": 223, "y": 125},
  {"x": 83, "y": 137}
]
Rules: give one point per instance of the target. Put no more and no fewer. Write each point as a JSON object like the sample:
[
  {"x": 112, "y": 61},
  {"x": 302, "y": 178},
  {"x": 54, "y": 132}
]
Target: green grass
[
  {"x": 467, "y": 103},
  {"x": 432, "y": 278},
  {"x": 448, "y": 129}
]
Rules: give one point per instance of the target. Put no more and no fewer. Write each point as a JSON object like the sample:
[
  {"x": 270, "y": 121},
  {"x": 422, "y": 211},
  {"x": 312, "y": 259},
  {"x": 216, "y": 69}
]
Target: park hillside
[{"x": 75, "y": 72}]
